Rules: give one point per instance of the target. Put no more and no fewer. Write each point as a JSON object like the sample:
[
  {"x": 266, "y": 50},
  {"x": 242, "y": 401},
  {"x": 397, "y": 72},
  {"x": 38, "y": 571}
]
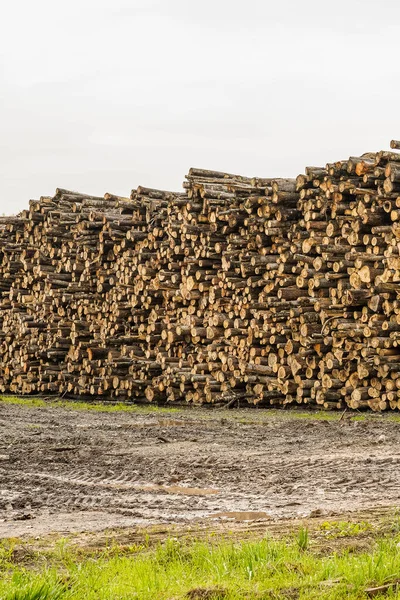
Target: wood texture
[{"x": 267, "y": 291}]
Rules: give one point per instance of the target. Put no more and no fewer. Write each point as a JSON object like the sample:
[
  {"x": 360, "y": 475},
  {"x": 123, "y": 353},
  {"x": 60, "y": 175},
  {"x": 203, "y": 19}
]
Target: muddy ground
[{"x": 66, "y": 470}]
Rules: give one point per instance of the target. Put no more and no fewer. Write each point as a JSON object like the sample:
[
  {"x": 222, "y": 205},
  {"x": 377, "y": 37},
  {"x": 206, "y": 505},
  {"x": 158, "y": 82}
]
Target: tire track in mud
[
  {"x": 62, "y": 460},
  {"x": 122, "y": 483},
  {"x": 81, "y": 489}
]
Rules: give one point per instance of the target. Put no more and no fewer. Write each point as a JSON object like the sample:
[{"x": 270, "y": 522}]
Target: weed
[
  {"x": 37, "y": 591},
  {"x": 267, "y": 568},
  {"x": 302, "y": 538},
  {"x": 343, "y": 529}
]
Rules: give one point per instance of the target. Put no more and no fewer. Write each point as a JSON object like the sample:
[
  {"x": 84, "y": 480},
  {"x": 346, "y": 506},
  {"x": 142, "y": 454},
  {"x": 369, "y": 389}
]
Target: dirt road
[{"x": 67, "y": 470}]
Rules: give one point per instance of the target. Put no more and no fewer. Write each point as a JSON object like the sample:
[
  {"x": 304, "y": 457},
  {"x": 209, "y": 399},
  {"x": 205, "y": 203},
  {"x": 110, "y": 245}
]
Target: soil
[{"x": 66, "y": 470}]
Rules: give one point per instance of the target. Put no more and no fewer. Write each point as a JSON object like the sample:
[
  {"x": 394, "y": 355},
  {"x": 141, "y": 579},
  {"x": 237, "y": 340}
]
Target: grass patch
[
  {"x": 201, "y": 570},
  {"x": 345, "y": 529},
  {"x": 109, "y": 407},
  {"x": 245, "y": 416}
]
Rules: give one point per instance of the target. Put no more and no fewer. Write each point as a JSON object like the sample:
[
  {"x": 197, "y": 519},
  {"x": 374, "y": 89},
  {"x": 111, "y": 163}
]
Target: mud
[{"x": 66, "y": 470}]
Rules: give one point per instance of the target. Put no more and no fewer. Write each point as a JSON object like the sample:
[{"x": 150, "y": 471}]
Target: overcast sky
[{"x": 101, "y": 96}]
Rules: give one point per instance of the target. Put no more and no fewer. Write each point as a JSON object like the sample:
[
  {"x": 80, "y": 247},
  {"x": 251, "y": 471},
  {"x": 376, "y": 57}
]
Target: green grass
[
  {"x": 37, "y": 402},
  {"x": 245, "y": 416},
  {"x": 343, "y": 529},
  {"x": 203, "y": 570}
]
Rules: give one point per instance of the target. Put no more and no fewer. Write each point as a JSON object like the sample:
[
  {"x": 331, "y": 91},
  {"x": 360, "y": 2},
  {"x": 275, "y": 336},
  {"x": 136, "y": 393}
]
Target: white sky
[{"x": 103, "y": 95}]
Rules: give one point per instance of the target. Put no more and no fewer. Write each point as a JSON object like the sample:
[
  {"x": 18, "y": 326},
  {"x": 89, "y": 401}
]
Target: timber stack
[{"x": 267, "y": 291}]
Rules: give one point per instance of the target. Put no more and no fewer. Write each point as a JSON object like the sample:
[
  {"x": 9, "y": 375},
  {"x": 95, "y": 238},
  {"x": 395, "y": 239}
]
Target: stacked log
[
  {"x": 349, "y": 235},
  {"x": 62, "y": 314},
  {"x": 226, "y": 239},
  {"x": 270, "y": 291}
]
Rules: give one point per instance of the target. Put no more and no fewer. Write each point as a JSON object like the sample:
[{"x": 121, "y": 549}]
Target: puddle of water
[{"x": 241, "y": 516}]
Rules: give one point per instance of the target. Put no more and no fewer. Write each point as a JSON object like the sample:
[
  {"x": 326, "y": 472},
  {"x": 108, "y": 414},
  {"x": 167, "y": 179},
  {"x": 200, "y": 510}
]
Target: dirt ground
[{"x": 66, "y": 470}]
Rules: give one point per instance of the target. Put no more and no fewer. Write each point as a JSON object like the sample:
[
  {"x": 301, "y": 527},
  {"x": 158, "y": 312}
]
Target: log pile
[
  {"x": 271, "y": 291},
  {"x": 348, "y": 243}
]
